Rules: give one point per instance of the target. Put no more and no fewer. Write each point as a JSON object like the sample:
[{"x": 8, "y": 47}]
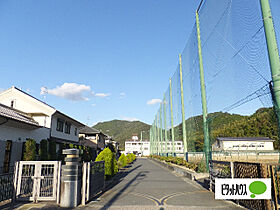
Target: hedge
[
  {"x": 122, "y": 161},
  {"x": 199, "y": 167},
  {"x": 111, "y": 167}
]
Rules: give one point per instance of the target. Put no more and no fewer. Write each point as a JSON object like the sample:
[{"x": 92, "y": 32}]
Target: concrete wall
[
  {"x": 248, "y": 145},
  {"x": 20, "y": 135},
  {"x": 16, "y": 153}
]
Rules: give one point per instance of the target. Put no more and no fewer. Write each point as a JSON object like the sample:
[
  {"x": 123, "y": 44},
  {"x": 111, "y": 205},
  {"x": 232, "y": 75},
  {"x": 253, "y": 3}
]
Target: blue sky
[{"x": 116, "y": 55}]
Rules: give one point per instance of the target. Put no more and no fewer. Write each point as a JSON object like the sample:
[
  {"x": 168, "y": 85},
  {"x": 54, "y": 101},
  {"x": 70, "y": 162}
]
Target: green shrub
[
  {"x": 43, "y": 151},
  {"x": 30, "y": 150},
  {"x": 201, "y": 167},
  {"x": 129, "y": 158},
  {"x": 122, "y": 161},
  {"x": 52, "y": 150},
  {"x": 111, "y": 167}
]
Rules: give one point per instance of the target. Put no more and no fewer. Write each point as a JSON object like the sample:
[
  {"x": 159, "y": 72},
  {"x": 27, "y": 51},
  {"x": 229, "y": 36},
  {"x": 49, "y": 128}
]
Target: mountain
[
  {"x": 263, "y": 123},
  {"x": 122, "y": 130}
]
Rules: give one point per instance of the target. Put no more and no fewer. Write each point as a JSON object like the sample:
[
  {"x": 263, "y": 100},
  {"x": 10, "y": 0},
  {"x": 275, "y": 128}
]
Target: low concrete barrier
[{"x": 190, "y": 174}]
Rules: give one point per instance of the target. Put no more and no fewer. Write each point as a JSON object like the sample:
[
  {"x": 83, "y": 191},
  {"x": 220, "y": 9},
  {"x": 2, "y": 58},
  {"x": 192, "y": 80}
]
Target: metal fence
[
  {"x": 6, "y": 186},
  {"x": 93, "y": 180}
]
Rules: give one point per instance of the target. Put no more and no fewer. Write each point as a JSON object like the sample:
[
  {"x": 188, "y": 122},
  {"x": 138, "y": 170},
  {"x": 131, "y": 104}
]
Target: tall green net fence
[{"x": 241, "y": 113}]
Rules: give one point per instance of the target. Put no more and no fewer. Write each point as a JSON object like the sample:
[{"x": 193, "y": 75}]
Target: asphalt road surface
[{"x": 147, "y": 185}]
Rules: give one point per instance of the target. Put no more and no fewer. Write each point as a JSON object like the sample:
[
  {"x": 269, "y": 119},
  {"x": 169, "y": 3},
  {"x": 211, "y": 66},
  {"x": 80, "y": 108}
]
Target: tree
[
  {"x": 43, "y": 151},
  {"x": 52, "y": 150},
  {"x": 30, "y": 150}
]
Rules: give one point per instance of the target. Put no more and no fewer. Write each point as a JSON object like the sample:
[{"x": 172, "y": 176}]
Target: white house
[
  {"x": 25, "y": 117},
  {"x": 243, "y": 143}
]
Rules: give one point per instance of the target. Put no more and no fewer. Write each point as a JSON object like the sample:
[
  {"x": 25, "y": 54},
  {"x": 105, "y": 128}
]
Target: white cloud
[
  {"x": 129, "y": 119},
  {"x": 154, "y": 101},
  {"x": 122, "y": 95},
  {"x": 93, "y": 104},
  {"x": 102, "y": 95},
  {"x": 70, "y": 91}
]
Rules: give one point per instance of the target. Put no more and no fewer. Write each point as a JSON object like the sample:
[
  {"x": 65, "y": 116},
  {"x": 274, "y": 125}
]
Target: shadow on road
[{"x": 112, "y": 200}]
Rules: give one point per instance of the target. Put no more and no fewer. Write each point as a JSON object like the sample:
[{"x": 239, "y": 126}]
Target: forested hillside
[
  {"x": 122, "y": 130},
  {"x": 262, "y": 123}
]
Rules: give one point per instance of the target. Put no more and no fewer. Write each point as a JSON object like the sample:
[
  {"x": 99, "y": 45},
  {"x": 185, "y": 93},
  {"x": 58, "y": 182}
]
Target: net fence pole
[
  {"x": 203, "y": 97},
  {"x": 158, "y": 144},
  {"x": 165, "y": 130},
  {"x": 172, "y": 126},
  {"x": 154, "y": 138},
  {"x": 161, "y": 136},
  {"x": 183, "y": 111},
  {"x": 150, "y": 139},
  {"x": 273, "y": 54}
]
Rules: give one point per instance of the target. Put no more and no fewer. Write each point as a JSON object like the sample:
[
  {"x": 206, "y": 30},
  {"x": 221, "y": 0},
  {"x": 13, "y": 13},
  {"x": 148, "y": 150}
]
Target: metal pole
[
  {"x": 161, "y": 137},
  {"x": 150, "y": 139},
  {"x": 158, "y": 151},
  {"x": 183, "y": 111},
  {"x": 165, "y": 130},
  {"x": 273, "y": 54},
  {"x": 172, "y": 126},
  {"x": 203, "y": 97},
  {"x": 141, "y": 144}
]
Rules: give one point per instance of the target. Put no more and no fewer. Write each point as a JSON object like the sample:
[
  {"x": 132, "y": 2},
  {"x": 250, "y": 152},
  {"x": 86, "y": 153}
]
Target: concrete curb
[{"x": 192, "y": 175}]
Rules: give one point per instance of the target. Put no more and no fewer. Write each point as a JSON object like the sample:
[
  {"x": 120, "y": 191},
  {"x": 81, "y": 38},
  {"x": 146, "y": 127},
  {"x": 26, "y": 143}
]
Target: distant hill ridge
[
  {"x": 122, "y": 130},
  {"x": 262, "y": 123}
]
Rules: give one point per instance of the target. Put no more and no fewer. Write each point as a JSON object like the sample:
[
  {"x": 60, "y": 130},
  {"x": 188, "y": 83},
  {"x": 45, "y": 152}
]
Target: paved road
[{"x": 148, "y": 185}]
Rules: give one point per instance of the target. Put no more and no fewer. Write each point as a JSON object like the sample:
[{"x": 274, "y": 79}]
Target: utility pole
[
  {"x": 183, "y": 111},
  {"x": 273, "y": 54},
  {"x": 203, "y": 97},
  {"x": 172, "y": 126}
]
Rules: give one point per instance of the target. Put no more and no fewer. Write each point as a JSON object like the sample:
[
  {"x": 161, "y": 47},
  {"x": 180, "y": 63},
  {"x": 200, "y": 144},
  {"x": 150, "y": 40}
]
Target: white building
[
  {"x": 24, "y": 116},
  {"x": 243, "y": 143},
  {"x": 178, "y": 147},
  {"x": 141, "y": 148}
]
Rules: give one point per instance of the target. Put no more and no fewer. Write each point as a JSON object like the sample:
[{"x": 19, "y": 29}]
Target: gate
[
  {"x": 93, "y": 180},
  {"x": 37, "y": 180}
]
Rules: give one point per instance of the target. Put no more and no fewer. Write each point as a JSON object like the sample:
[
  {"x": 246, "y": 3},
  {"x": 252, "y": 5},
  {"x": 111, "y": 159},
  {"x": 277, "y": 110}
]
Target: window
[
  {"x": 178, "y": 143},
  {"x": 145, "y": 148},
  {"x": 7, "y": 156},
  {"x": 134, "y": 143},
  {"x": 59, "y": 126},
  {"x": 12, "y": 103},
  {"x": 67, "y": 127},
  {"x": 76, "y": 132}
]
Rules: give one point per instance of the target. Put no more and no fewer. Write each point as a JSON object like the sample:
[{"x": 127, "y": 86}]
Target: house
[
  {"x": 34, "y": 119},
  {"x": 93, "y": 135},
  {"x": 243, "y": 143},
  {"x": 15, "y": 128},
  {"x": 109, "y": 140}
]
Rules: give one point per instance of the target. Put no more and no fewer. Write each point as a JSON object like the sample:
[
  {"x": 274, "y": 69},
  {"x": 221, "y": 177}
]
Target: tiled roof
[
  {"x": 244, "y": 139},
  {"x": 89, "y": 130},
  {"x": 11, "y": 113}
]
